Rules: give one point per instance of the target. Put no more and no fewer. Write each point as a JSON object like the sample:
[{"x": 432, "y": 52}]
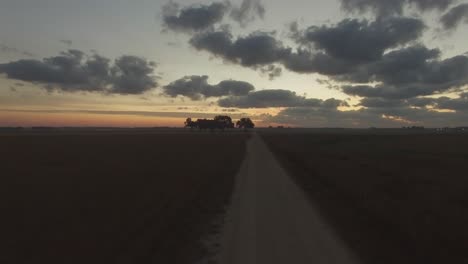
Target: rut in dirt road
[{"x": 271, "y": 220}]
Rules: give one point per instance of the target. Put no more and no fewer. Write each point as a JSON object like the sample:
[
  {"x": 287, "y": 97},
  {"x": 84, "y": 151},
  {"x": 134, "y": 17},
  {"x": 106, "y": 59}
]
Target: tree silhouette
[
  {"x": 245, "y": 123},
  {"x": 189, "y": 123},
  {"x": 225, "y": 121},
  {"x": 219, "y": 122}
]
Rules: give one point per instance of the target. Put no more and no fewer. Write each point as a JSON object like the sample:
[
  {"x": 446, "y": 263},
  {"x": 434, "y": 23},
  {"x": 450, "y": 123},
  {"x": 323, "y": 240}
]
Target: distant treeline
[{"x": 219, "y": 122}]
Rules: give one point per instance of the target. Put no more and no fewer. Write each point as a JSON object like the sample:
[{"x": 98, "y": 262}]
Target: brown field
[
  {"x": 113, "y": 197},
  {"x": 392, "y": 198}
]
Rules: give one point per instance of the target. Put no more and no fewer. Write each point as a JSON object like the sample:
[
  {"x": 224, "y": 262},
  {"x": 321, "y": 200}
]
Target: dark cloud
[
  {"x": 455, "y": 16},
  {"x": 197, "y": 88},
  {"x": 376, "y": 60},
  {"x": 248, "y": 11},
  {"x": 382, "y": 103},
  {"x": 383, "y": 8},
  {"x": 410, "y": 72},
  {"x": 360, "y": 41},
  {"x": 419, "y": 108},
  {"x": 193, "y": 18},
  {"x": 304, "y": 61},
  {"x": 256, "y": 49},
  {"x": 201, "y": 17},
  {"x": 73, "y": 71},
  {"x": 403, "y": 66},
  {"x": 131, "y": 75},
  {"x": 426, "y": 5},
  {"x": 218, "y": 43},
  {"x": 336, "y": 50},
  {"x": 370, "y": 117},
  {"x": 272, "y": 71},
  {"x": 420, "y": 102},
  {"x": 390, "y": 91},
  {"x": 319, "y": 117},
  {"x": 396, "y": 67},
  {"x": 276, "y": 98},
  {"x": 456, "y": 104},
  {"x": 342, "y": 48}
]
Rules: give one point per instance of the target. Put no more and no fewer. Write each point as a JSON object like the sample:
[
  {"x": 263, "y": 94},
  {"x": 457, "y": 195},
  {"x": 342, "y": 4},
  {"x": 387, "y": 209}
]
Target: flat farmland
[
  {"x": 391, "y": 198},
  {"x": 113, "y": 198}
]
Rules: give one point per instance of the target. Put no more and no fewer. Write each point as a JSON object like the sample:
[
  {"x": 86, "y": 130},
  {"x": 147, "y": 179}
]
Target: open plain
[
  {"x": 393, "y": 196},
  {"x": 271, "y": 196},
  {"x": 114, "y": 196}
]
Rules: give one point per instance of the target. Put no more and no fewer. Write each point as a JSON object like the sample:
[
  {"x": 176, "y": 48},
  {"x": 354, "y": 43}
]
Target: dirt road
[{"x": 271, "y": 221}]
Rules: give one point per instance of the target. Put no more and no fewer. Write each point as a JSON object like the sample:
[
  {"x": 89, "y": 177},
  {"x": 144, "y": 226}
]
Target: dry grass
[
  {"x": 393, "y": 198},
  {"x": 113, "y": 198}
]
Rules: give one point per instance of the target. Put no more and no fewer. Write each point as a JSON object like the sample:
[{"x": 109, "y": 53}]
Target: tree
[
  {"x": 189, "y": 123},
  {"x": 224, "y": 121},
  {"x": 219, "y": 122},
  {"x": 245, "y": 123}
]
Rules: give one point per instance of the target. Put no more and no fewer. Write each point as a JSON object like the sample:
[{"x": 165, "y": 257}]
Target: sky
[{"x": 300, "y": 63}]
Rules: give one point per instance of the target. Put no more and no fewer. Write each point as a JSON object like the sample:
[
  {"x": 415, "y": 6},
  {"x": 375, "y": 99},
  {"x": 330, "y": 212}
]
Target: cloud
[
  {"x": 276, "y": 98},
  {"x": 197, "y": 88},
  {"x": 132, "y": 75},
  {"x": 382, "y": 103},
  {"x": 407, "y": 65},
  {"x": 248, "y": 11},
  {"x": 423, "y": 110},
  {"x": 193, "y": 18},
  {"x": 74, "y": 71},
  {"x": 361, "y": 41},
  {"x": 459, "y": 104},
  {"x": 455, "y": 16},
  {"x": 304, "y": 61},
  {"x": 253, "y": 50},
  {"x": 66, "y": 42},
  {"x": 379, "y": 60},
  {"x": 419, "y": 102},
  {"x": 364, "y": 118},
  {"x": 384, "y": 8},
  {"x": 393, "y": 92},
  {"x": 7, "y": 49},
  {"x": 272, "y": 71},
  {"x": 406, "y": 73},
  {"x": 239, "y": 94},
  {"x": 197, "y": 18},
  {"x": 426, "y": 5},
  {"x": 337, "y": 49}
]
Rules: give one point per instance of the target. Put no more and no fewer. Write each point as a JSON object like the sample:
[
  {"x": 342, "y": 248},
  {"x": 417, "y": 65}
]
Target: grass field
[
  {"x": 392, "y": 198},
  {"x": 113, "y": 198}
]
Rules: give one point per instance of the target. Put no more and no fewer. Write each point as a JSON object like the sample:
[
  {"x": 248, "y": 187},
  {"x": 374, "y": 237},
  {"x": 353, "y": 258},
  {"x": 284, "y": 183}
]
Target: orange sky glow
[
  {"x": 84, "y": 120},
  {"x": 30, "y": 119}
]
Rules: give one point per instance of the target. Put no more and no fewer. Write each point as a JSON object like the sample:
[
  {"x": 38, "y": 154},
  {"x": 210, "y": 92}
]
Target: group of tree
[{"x": 219, "y": 122}]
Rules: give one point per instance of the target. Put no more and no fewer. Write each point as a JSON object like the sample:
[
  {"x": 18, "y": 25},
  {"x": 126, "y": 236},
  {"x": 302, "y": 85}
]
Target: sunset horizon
[
  {"x": 233, "y": 131},
  {"x": 342, "y": 63}
]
